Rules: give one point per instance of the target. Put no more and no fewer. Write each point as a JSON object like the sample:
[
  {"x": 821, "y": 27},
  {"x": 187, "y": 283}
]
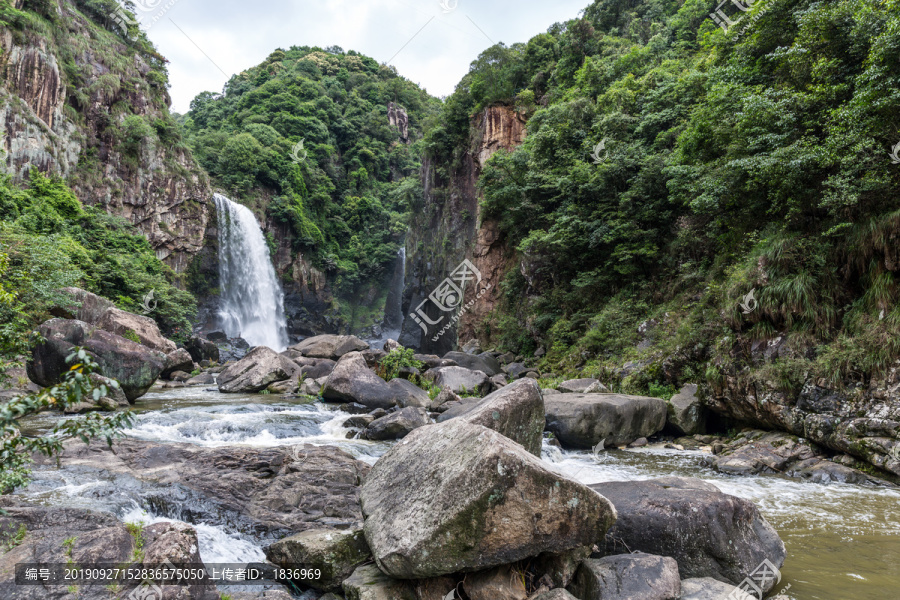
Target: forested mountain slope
[
  {"x": 324, "y": 144},
  {"x": 753, "y": 160}
]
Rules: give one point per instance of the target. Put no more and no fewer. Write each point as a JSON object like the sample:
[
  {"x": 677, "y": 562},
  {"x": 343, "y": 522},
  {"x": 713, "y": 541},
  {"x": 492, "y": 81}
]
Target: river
[{"x": 843, "y": 541}]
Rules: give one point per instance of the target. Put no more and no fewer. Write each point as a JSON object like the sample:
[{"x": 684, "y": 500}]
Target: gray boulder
[
  {"x": 485, "y": 363},
  {"x": 202, "y": 349},
  {"x": 320, "y": 367},
  {"x": 335, "y": 553},
  {"x": 81, "y": 305},
  {"x": 499, "y": 583},
  {"x": 459, "y": 380},
  {"x": 515, "y": 411},
  {"x": 134, "y": 366},
  {"x": 330, "y": 346},
  {"x": 584, "y": 420},
  {"x": 127, "y": 324},
  {"x": 686, "y": 415},
  {"x": 557, "y": 594},
  {"x": 707, "y": 588},
  {"x": 515, "y": 370},
  {"x": 576, "y": 386},
  {"x": 260, "y": 368},
  {"x": 709, "y": 533},
  {"x": 353, "y": 381},
  {"x": 460, "y": 497},
  {"x": 635, "y": 576},
  {"x": 369, "y": 583},
  {"x": 398, "y": 424},
  {"x": 180, "y": 360},
  {"x": 409, "y": 394}
]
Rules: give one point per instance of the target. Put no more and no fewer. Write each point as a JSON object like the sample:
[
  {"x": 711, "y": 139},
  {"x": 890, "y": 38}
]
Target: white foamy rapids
[
  {"x": 785, "y": 502},
  {"x": 216, "y": 544},
  {"x": 251, "y": 303}
]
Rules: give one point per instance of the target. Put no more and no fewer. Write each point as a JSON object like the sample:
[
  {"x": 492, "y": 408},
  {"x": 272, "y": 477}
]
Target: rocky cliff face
[
  {"x": 449, "y": 230},
  {"x": 77, "y": 101}
]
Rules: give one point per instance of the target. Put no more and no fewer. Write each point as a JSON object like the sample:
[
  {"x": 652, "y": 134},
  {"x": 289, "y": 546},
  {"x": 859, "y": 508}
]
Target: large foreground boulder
[
  {"x": 353, "y": 381},
  {"x": 515, "y": 411},
  {"x": 330, "y": 346},
  {"x": 260, "y": 368},
  {"x": 459, "y": 380},
  {"x": 709, "y": 533},
  {"x": 133, "y": 365},
  {"x": 460, "y": 497},
  {"x": 584, "y": 420},
  {"x": 635, "y": 576}
]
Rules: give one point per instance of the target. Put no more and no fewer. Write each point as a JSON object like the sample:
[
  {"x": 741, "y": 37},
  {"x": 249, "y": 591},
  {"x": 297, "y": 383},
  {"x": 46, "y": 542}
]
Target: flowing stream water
[
  {"x": 251, "y": 302},
  {"x": 843, "y": 541}
]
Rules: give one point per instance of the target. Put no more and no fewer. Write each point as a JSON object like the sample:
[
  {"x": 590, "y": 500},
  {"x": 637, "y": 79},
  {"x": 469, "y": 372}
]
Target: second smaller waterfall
[{"x": 251, "y": 300}]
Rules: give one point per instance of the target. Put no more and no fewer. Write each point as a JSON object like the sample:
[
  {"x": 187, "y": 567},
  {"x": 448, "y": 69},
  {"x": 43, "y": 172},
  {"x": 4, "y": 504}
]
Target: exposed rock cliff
[
  {"x": 80, "y": 101},
  {"x": 449, "y": 230}
]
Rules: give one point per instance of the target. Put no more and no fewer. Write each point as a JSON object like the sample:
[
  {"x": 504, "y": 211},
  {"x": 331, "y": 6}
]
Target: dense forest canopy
[
  {"x": 756, "y": 158},
  {"x": 347, "y": 190}
]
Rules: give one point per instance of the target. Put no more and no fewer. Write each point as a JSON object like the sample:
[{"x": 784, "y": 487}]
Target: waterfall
[
  {"x": 251, "y": 302},
  {"x": 393, "y": 306}
]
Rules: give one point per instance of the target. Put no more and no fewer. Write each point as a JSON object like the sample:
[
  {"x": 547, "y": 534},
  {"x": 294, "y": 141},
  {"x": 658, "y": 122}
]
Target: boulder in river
[
  {"x": 179, "y": 360},
  {"x": 397, "y": 424},
  {"x": 485, "y": 363},
  {"x": 707, "y": 588},
  {"x": 128, "y": 324},
  {"x": 353, "y": 381},
  {"x": 460, "y": 497},
  {"x": 635, "y": 576},
  {"x": 260, "y": 368},
  {"x": 271, "y": 492},
  {"x": 62, "y": 535},
  {"x": 516, "y": 411},
  {"x": 459, "y": 380},
  {"x": 686, "y": 414},
  {"x": 409, "y": 394},
  {"x": 134, "y": 366},
  {"x": 330, "y": 346},
  {"x": 709, "y": 533},
  {"x": 202, "y": 349},
  {"x": 336, "y": 554},
  {"x": 584, "y": 420}
]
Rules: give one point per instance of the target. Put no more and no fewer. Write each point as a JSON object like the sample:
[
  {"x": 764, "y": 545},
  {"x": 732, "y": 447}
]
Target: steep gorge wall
[
  {"x": 449, "y": 229},
  {"x": 75, "y": 130}
]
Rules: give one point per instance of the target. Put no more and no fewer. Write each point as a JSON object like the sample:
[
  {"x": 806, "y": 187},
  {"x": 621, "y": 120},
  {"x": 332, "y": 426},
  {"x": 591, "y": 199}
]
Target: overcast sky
[{"x": 207, "y": 41}]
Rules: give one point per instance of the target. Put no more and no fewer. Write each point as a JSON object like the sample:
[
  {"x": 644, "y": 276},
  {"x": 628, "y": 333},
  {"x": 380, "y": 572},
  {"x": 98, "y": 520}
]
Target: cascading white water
[
  {"x": 251, "y": 302},
  {"x": 393, "y": 309}
]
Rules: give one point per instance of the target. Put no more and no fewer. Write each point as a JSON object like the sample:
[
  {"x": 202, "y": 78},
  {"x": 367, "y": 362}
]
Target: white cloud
[{"x": 236, "y": 35}]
